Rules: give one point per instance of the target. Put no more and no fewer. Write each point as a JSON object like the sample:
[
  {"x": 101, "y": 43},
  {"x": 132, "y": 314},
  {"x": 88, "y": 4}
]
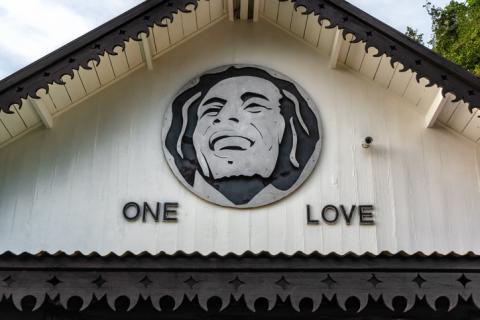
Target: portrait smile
[{"x": 242, "y": 133}]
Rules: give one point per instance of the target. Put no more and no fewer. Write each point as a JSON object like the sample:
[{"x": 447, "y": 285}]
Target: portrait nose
[{"x": 233, "y": 119}]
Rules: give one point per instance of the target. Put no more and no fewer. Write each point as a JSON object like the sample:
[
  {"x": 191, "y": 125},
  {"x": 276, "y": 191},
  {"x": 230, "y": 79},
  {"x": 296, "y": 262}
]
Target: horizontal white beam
[
  {"x": 435, "y": 109},
  {"x": 147, "y": 51},
  {"x": 43, "y": 113},
  {"x": 337, "y": 45}
]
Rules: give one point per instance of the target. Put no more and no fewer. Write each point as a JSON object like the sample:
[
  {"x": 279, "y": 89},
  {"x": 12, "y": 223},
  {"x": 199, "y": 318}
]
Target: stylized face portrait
[{"x": 241, "y": 136}]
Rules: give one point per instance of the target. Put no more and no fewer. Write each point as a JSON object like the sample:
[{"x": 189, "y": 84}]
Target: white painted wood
[
  {"x": 203, "y": 13},
  {"x": 216, "y": 9},
  {"x": 230, "y": 10},
  {"x": 344, "y": 49},
  {"x": 43, "y": 112},
  {"x": 299, "y": 22},
  {"x": 271, "y": 9},
  {"x": 472, "y": 131},
  {"x": 327, "y": 37},
  {"x": 312, "y": 30},
  {"x": 256, "y": 9},
  {"x": 89, "y": 77},
  {"x": 4, "y": 134},
  {"x": 189, "y": 20},
  {"x": 147, "y": 51},
  {"x": 370, "y": 63},
  {"x": 74, "y": 86},
  {"x": 47, "y": 100},
  {"x": 59, "y": 95},
  {"x": 27, "y": 113},
  {"x": 119, "y": 61},
  {"x": 435, "y": 109},
  {"x": 355, "y": 56},
  {"x": 335, "y": 52},
  {"x": 104, "y": 70},
  {"x": 421, "y": 182},
  {"x": 244, "y": 9},
  {"x": 415, "y": 89},
  {"x": 13, "y": 122},
  {"x": 460, "y": 118},
  {"x": 134, "y": 53},
  {"x": 285, "y": 12},
  {"x": 385, "y": 72},
  {"x": 447, "y": 111},
  {"x": 427, "y": 98},
  {"x": 175, "y": 29},
  {"x": 400, "y": 80},
  {"x": 162, "y": 38}
]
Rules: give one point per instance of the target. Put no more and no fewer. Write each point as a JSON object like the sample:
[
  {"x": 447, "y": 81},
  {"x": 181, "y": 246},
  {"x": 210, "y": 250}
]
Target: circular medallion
[{"x": 242, "y": 136}]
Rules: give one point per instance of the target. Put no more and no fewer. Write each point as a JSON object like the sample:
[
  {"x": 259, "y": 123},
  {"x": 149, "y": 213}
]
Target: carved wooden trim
[{"x": 248, "y": 277}]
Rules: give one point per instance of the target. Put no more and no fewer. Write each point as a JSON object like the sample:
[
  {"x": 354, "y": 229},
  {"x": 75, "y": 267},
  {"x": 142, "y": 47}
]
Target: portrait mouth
[{"x": 228, "y": 142}]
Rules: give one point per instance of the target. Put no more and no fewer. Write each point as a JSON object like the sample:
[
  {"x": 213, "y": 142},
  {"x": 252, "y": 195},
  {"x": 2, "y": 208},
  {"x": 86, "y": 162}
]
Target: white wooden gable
[{"x": 63, "y": 188}]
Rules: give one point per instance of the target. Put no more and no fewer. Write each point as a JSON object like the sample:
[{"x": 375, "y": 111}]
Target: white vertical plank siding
[
  {"x": 4, "y": 134},
  {"x": 46, "y": 100},
  {"x": 216, "y": 9},
  {"x": 427, "y": 98},
  {"x": 472, "y": 130},
  {"x": 345, "y": 48},
  {"x": 89, "y": 77},
  {"x": 13, "y": 122},
  {"x": 285, "y": 12},
  {"x": 400, "y": 80},
  {"x": 133, "y": 53},
  {"x": 203, "y": 13},
  {"x": 370, "y": 63},
  {"x": 415, "y": 89},
  {"x": 189, "y": 21},
  {"x": 59, "y": 95},
  {"x": 57, "y": 186},
  {"x": 460, "y": 118},
  {"x": 271, "y": 9},
  {"x": 175, "y": 29},
  {"x": 312, "y": 30},
  {"x": 448, "y": 110},
  {"x": 299, "y": 22},
  {"x": 74, "y": 86},
  {"x": 104, "y": 70},
  {"x": 385, "y": 72},
  {"x": 356, "y": 55},
  {"x": 27, "y": 113},
  {"x": 162, "y": 38},
  {"x": 119, "y": 61},
  {"x": 327, "y": 36}
]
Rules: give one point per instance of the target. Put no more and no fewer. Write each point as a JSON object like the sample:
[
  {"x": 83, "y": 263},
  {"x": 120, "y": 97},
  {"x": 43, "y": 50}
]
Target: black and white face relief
[
  {"x": 239, "y": 122},
  {"x": 242, "y": 136}
]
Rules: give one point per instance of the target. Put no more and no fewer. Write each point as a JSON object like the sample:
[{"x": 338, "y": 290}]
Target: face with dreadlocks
[{"x": 239, "y": 128}]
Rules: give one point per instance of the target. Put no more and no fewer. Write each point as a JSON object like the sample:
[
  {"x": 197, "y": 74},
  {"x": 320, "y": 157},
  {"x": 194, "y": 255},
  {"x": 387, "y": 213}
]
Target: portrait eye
[
  {"x": 211, "y": 111},
  {"x": 256, "y": 108}
]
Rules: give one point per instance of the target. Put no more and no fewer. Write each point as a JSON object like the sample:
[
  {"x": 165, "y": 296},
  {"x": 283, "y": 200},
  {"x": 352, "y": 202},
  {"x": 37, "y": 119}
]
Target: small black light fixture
[{"x": 367, "y": 142}]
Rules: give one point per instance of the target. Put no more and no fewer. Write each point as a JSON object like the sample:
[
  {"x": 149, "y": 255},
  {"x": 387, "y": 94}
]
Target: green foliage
[
  {"x": 456, "y": 32},
  {"x": 415, "y": 35}
]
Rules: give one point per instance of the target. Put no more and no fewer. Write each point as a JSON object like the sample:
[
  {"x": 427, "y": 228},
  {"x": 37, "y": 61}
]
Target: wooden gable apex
[{"x": 93, "y": 61}]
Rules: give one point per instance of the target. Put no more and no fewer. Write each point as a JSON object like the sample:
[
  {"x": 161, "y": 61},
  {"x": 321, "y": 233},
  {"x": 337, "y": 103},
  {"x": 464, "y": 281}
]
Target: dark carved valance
[
  {"x": 248, "y": 277},
  {"x": 129, "y": 25}
]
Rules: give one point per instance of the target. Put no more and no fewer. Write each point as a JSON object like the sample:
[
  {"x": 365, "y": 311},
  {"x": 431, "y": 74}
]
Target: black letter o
[{"x": 129, "y": 205}]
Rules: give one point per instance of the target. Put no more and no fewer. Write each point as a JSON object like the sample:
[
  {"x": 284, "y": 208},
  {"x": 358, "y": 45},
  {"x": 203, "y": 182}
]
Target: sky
[{"x": 31, "y": 29}]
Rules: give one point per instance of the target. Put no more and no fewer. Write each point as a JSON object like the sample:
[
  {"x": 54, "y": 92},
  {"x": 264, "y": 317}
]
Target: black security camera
[{"x": 367, "y": 142}]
